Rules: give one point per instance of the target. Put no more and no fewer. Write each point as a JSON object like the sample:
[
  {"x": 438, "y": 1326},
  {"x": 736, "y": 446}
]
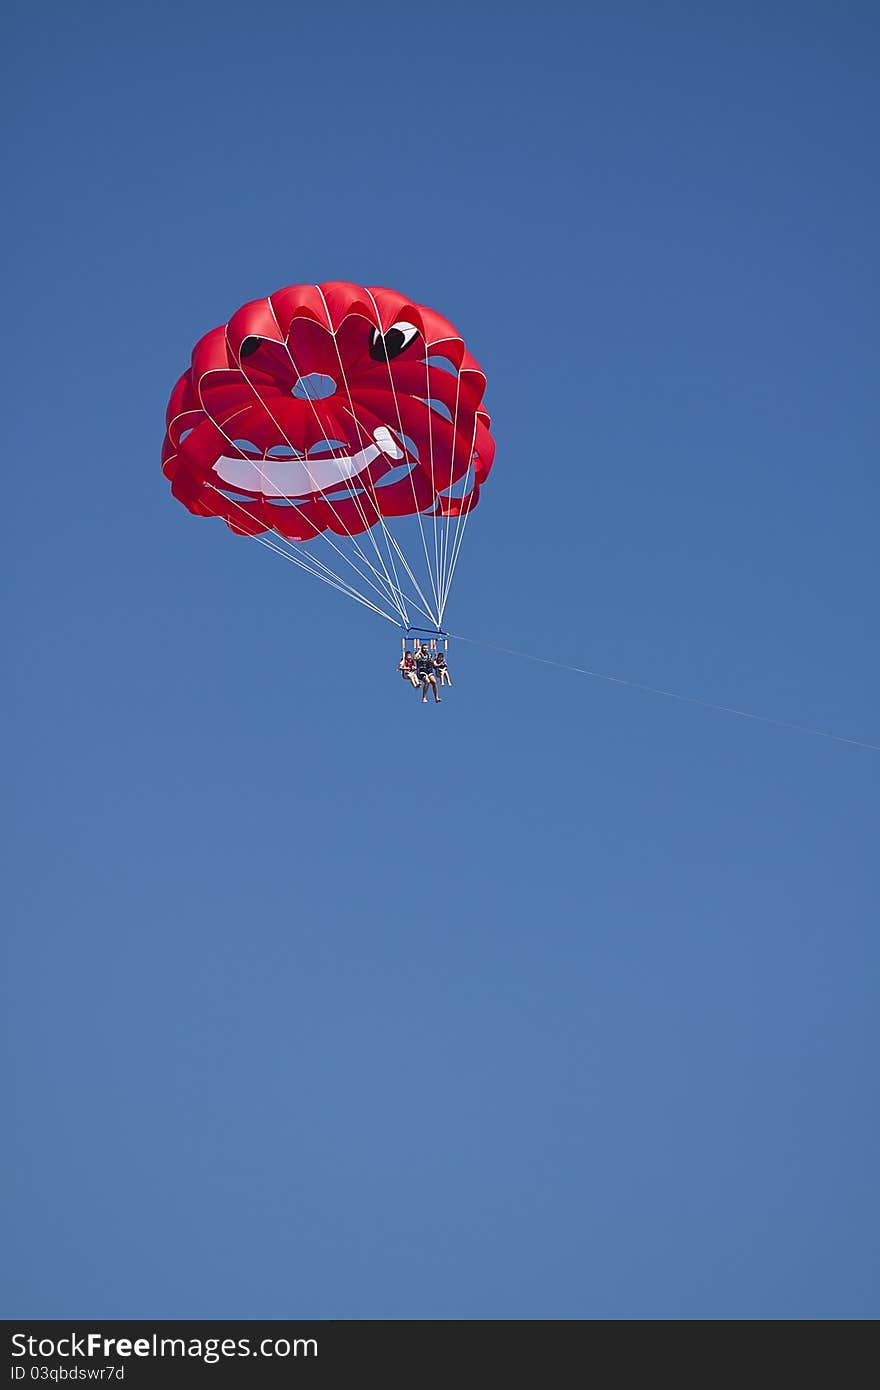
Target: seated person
[
  {"x": 407, "y": 668},
  {"x": 442, "y": 669}
]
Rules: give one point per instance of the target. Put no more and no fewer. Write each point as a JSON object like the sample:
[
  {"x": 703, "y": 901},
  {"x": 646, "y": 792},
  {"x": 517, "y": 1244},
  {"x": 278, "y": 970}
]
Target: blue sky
[{"x": 559, "y": 1001}]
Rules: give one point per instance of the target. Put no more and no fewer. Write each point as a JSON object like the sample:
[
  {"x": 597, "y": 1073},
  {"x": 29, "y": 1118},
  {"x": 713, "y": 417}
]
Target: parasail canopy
[{"x": 344, "y": 427}]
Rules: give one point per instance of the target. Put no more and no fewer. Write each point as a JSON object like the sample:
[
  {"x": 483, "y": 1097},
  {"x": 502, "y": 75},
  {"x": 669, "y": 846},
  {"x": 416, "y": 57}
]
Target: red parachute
[{"x": 326, "y": 411}]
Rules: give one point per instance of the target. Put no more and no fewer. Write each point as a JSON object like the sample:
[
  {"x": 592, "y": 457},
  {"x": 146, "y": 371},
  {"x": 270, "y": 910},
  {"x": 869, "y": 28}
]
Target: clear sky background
[{"x": 559, "y": 1000}]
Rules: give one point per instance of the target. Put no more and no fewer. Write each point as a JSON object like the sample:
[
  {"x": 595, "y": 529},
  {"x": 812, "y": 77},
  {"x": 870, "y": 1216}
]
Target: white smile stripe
[{"x": 296, "y": 477}]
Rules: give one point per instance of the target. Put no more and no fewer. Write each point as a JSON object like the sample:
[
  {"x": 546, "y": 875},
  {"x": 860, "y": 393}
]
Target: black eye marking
[
  {"x": 249, "y": 345},
  {"x": 384, "y": 347}
]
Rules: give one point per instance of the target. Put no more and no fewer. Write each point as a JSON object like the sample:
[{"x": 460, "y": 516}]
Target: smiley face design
[{"x": 325, "y": 408}]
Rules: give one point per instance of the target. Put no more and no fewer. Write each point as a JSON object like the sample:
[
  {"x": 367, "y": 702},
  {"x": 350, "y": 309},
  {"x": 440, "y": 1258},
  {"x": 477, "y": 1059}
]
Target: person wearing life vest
[
  {"x": 426, "y": 672},
  {"x": 407, "y": 669},
  {"x": 443, "y": 676}
]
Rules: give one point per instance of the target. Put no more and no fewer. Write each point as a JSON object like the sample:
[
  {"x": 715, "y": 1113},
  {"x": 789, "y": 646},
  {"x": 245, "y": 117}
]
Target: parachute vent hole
[
  {"x": 234, "y": 496},
  {"x": 185, "y": 434},
  {"x": 342, "y": 494},
  {"x": 282, "y": 451},
  {"x": 327, "y": 446},
  {"x": 408, "y": 443},
  {"x": 246, "y": 447},
  {"x": 315, "y": 386},
  {"x": 443, "y": 363},
  {"x": 437, "y": 406},
  {"x": 396, "y": 475}
]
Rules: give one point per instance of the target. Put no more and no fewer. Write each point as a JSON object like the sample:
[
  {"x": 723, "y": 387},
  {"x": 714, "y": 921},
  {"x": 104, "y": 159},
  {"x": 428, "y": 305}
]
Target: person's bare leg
[{"x": 425, "y": 691}]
